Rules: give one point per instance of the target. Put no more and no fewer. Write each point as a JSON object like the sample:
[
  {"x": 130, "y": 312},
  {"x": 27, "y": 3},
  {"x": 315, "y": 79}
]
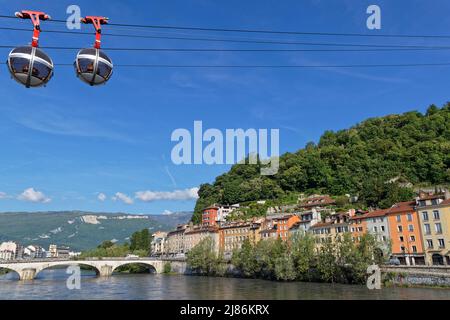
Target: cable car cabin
[
  {"x": 93, "y": 66},
  {"x": 30, "y": 66}
]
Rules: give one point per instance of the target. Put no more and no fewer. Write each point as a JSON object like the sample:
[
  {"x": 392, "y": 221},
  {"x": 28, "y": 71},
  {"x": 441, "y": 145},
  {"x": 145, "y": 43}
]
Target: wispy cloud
[
  {"x": 119, "y": 196},
  {"x": 101, "y": 197},
  {"x": 59, "y": 124},
  {"x": 32, "y": 195},
  {"x": 174, "y": 183},
  {"x": 3, "y": 195},
  {"x": 186, "y": 194}
]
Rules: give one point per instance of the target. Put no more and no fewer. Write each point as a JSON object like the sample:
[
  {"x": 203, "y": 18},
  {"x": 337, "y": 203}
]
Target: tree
[
  {"x": 141, "y": 240},
  {"x": 245, "y": 259},
  {"x": 326, "y": 262},
  {"x": 359, "y": 160},
  {"x": 303, "y": 254},
  {"x": 203, "y": 259},
  {"x": 106, "y": 244},
  {"x": 285, "y": 268}
]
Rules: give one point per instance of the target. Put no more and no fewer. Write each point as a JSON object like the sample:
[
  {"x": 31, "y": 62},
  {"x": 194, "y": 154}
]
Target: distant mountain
[{"x": 80, "y": 230}]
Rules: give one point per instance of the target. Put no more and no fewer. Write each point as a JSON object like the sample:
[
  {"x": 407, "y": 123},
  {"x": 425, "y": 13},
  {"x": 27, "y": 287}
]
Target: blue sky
[{"x": 63, "y": 145}]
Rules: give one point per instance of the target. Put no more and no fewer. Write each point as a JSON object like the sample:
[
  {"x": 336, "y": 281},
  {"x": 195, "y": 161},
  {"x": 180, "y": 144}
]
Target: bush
[{"x": 167, "y": 268}]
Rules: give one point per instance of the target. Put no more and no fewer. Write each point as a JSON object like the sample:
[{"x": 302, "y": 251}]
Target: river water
[{"x": 51, "y": 285}]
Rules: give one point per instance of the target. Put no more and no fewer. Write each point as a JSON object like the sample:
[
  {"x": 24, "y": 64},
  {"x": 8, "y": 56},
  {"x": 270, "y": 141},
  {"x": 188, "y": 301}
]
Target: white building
[
  {"x": 11, "y": 251},
  {"x": 158, "y": 242},
  {"x": 34, "y": 252},
  {"x": 308, "y": 219}
]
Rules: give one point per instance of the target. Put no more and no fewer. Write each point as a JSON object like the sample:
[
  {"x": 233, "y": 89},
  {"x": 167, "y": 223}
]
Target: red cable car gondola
[
  {"x": 29, "y": 65},
  {"x": 92, "y": 65}
]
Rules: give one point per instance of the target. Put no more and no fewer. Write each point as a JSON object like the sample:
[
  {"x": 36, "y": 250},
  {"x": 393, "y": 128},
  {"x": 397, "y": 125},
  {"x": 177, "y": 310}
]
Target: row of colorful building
[{"x": 415, "y": 232}]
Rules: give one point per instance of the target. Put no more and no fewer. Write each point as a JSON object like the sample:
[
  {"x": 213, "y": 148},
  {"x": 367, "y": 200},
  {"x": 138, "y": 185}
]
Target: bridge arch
[
  {"x": 11, "y": 270},
  {"x": 151, "y": 267},
  {"x": 68, "y": 264}
]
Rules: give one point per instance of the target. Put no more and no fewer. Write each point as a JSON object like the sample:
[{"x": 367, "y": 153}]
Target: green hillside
[
  {"x": 80, "y": 230},
  {"x": 410, "y": 147}
]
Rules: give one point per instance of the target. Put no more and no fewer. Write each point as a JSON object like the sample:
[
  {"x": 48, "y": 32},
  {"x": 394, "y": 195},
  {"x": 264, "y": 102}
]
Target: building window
[
  {"x": 436, "y": 215},
  {"x": 409, "y": 217},
  {"x": 411, "y": 228},
  {"x": 402, "y": 249},
  {"x": 414, "y": 249},
  {"x": 425, "y": 216},
  {"x": 441, "y": 243},
  {"x": 382, "y": 228},
  {"x": 427, "y": 229},
  {"x": 438, "y": 228},
  {"x": 375, "y": 229},
  {"x": 384, "y": 239},
  {"x": 412, "y": 238},
  {"x": 402, "y": 239},
  {"x": 399, "y": 218},
  {"x": 430, "y": 244},
  {"x": 400, "y": 228}
]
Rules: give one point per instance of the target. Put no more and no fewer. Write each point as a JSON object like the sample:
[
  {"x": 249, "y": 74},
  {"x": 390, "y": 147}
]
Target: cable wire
[
  {"x": 261, "y": 31},
  {"x": 187, "y": 50},
  {"x": 405, "y": 65},
  {"x": 237, "y": 40}
]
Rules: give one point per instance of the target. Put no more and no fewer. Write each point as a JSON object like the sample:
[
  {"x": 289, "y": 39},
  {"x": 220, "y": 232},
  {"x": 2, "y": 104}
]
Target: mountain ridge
[{"x": 81, "y": 230}]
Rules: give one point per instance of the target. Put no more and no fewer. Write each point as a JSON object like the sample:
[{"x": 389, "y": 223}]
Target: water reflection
[{"x": 51, "y": 284}]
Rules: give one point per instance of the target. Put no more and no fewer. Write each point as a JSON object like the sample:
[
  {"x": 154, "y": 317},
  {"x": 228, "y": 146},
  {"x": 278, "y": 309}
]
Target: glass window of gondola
[
  {"x": 89, "y": 51},
  {"x": 104, "y": 70},
  {"x": 43, "y": 56},
  {"x": 104, "y": 56},
  {"x": 86, "y": 65},
  {"x": 26, "y": 50},
  {"x": 20, "y": 65},
  {"x": 40, "y": 70}
]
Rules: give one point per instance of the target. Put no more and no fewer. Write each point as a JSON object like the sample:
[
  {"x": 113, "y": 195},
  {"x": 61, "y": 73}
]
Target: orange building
[
  {"x": 405, "y": 233},
  {"x": 358, "y": 225},
  {"x": 282, "y": 224},
  {"x": 210, "y": 215}
]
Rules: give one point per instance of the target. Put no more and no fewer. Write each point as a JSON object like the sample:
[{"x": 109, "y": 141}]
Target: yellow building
[
  {"x": 194, "y": 235},
  {"x": 334, "y": 227},
  {"x": 233, "y": 234},
  {"x": 434, "y": 217}
]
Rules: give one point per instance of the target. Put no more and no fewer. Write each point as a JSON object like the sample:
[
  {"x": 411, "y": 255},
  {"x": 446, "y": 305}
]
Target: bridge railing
[{"x": 90, "y": 259}]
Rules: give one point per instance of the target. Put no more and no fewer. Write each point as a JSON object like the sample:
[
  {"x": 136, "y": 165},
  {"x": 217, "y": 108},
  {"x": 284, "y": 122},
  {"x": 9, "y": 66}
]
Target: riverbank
[
  {"x": 50, "y": 285},
  {"x": 417, "y": 276}
]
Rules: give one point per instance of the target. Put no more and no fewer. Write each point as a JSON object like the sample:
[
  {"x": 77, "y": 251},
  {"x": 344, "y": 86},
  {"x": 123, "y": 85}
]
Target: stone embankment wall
[{"x": 417, "y": 275}]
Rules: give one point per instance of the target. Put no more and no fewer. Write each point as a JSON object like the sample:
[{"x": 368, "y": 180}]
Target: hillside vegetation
[{"x": 410, "y": 147}]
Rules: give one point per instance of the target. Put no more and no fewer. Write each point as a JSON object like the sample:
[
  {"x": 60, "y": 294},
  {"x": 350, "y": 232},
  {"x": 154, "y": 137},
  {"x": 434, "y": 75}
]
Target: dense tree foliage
[
  {"x": 412, "y": 146},
  {"x": 140, "y": 246},
  {"x": 203, "y": 259},
  {"x": 340, "y": 261}
]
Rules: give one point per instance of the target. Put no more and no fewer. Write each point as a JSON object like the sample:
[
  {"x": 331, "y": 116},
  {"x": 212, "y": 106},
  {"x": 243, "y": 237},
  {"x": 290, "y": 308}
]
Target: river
[{"x": 51, "y": 285}]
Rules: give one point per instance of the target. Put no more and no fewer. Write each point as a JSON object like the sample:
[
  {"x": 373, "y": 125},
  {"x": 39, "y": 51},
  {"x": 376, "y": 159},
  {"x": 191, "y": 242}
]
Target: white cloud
[
  {"x": 3, "y": 195},
  {"x": 101, "y": 196},
  {"x": 167, "y": 213},
  {"x": 32, "y": 195},
  {"x": 149, "y": 196},
  {"x": 122, "y": 197}
]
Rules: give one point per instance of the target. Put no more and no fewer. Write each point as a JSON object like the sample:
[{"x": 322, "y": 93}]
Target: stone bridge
[{"x": 29, "y": 269}]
